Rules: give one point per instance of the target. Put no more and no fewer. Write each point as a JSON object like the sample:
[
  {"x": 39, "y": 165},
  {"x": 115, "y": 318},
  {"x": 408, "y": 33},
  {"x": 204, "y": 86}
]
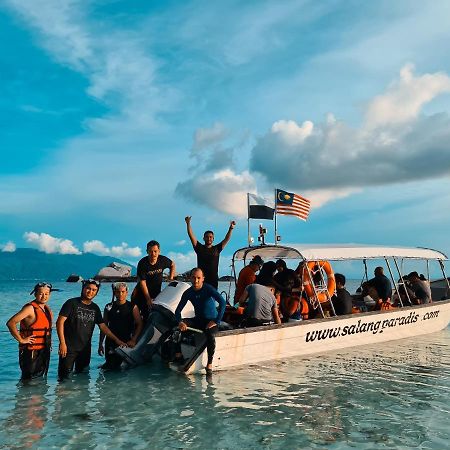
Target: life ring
[
  {"x": 290, "y": 306},
  {"x": 308, "y": 283}
]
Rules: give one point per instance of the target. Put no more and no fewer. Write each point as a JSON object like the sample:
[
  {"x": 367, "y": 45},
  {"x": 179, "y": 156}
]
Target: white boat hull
[{"x": 253, "y": 345}]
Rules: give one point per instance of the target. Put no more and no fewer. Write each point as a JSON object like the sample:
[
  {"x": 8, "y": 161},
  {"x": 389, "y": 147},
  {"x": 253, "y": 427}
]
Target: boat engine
[{"x": 160, "y": 324}]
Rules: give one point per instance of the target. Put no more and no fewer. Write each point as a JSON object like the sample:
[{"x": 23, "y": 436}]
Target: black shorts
[
  {"x": 34, "y": 363},
  {"x": 80, "y": 359}
]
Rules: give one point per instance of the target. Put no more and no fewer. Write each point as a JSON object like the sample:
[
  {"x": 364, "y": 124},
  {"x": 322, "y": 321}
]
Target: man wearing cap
[
  {"x": 247, "y": 276},
  {"x": 35, "y": 333},
  {"x": 75, "y": 325}
]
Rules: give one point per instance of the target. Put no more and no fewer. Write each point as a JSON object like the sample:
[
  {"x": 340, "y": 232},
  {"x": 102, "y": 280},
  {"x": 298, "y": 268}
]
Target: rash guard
[{"x": 204, "y": 301}]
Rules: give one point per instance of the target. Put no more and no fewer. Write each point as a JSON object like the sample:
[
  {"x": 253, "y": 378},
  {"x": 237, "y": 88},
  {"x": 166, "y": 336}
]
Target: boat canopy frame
[{"x": 343, "y": 252}]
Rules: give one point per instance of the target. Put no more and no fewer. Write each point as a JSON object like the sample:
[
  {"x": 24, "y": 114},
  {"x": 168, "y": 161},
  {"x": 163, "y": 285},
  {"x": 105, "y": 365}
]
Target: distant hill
[{"x": 31, "y": 264}]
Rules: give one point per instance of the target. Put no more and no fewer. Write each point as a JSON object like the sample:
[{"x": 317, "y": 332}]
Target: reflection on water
[
  {"x": 394, "y": 395},
  {"x": 24, "y": 427}
]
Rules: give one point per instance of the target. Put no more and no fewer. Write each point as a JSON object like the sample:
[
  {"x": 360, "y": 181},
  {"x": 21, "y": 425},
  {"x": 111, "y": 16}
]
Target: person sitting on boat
[
  {"x": 369, "y": 295},
  {"x": 124, "y": 320},
  {"x": 280, "y": 265},
  {"x": 204, "y": 297},
  {"x": 150, "y": 276},
  {"x": 421, "y": 288},
  {"x": 342, "y": 300},
  {"x": 247, "y": 276},
  {"x": 35, "y": 333},
  {"x": 261, "y": 308},
  {"x": 382, "y": 285},
  {"x": 407, "y": 296},
  {"x": 208, "y": 254}
]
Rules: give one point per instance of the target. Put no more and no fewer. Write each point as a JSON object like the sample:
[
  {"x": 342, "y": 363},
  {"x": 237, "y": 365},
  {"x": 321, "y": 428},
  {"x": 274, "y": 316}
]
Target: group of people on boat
[{"x": 266, "y": 293}]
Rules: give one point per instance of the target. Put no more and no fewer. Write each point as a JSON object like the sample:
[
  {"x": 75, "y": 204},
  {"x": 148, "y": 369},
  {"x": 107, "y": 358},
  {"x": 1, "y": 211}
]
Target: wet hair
[
  {"x": 118, "y": 285},
  {"x": 152, "y": 243},
  {"x": 339, "y": 278},
  {"x": 195, "y": 270}
]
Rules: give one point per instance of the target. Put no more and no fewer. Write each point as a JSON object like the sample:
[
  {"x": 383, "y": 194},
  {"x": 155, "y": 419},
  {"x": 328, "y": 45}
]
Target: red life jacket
[{"x": 41, "y": 328}]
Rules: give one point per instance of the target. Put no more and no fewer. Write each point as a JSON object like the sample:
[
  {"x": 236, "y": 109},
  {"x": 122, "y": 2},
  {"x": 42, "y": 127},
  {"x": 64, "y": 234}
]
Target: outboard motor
[{"x": 159, "y": 325}]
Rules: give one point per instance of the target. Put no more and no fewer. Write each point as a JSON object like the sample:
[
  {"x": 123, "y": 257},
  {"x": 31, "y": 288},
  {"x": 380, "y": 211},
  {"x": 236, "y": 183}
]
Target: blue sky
[{"x": 119, "y": 118}]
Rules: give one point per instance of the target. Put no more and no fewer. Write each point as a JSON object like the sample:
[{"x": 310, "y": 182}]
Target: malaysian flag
[{"x": 289, "y": 204}]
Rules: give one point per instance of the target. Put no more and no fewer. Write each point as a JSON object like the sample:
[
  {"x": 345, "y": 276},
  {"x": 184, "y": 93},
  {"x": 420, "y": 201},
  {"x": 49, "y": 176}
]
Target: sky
[{"x": 119, "y": 118}]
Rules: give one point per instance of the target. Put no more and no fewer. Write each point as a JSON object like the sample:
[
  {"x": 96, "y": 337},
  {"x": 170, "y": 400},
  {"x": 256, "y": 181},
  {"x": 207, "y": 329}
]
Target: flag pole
[
  {"x": 248, "y": 219},
  {"x": 275, "y": 217}
]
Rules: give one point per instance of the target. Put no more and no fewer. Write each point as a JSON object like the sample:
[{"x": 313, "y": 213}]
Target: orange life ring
[{"x": 308, "y": 282}]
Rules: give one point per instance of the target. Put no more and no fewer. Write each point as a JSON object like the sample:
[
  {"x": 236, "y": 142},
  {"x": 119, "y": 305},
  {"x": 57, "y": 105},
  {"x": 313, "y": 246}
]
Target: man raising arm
[{"x": 207, "y": 253}]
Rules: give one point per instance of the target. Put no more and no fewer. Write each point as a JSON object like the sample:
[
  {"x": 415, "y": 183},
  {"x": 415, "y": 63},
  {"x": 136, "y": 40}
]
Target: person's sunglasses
[
  {"x": 91, "y": 281},
  {"x": 40, "y": 285}
]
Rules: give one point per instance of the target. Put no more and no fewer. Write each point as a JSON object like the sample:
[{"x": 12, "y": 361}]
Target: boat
[{"x": 246, "y": 346}]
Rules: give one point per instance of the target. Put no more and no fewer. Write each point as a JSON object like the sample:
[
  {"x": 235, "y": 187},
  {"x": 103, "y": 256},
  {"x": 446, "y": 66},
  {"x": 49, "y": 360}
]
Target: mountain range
[{"x": 31, "y": 264}]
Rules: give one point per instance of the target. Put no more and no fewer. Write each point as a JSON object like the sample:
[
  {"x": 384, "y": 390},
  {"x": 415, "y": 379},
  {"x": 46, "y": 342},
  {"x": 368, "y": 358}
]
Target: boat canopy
[{"x": 335, "y": 252}]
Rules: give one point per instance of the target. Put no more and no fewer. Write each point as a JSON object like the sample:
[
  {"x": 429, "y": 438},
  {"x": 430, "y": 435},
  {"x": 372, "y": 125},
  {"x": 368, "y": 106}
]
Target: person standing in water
[
  {"x": 124, "y": 320},
  {"x": 208, "y": 254},
  {"x": 75, "y": 326},
  {"x": 35, "y": 333}
]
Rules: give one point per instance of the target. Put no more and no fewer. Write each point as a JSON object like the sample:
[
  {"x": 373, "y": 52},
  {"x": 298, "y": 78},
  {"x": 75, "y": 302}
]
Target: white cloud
[
  {"x": 205, "y": 137},
  {"x": 123, "y": 250},
  {"x": 292, "y": 133},
  {"x": 49, "y": 244},
  {"x": 224, "y": 190},
  {"x": 183, "y": 261},
  {"x": 9, "y": 247},
  {"x": 405, "y": 98},
  {"x": 180, "y": 243},
  {"x": 215, "y": 181},
  {"x": 395, "y": 144}
]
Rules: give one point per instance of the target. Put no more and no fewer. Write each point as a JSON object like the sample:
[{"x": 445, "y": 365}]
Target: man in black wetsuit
[
  {"x": 150, "y": 276},
  {"x": 208, "y": 254},
  {"x": 124, "y": 320},
  {"x": 75, "y": 325}
]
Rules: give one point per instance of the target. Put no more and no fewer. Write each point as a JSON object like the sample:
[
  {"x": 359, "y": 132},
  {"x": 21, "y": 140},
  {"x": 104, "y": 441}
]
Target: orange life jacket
[
  {"x": 41, "y": 328},
  {"x": 385, "y": 306},
  {"x": 293, "y": 303}
]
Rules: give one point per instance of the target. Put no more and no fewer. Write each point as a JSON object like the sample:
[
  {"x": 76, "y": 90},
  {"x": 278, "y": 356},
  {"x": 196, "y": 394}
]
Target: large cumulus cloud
[
  {"x": 395, "y": 142},
  {"x": 215, "y": 181}
]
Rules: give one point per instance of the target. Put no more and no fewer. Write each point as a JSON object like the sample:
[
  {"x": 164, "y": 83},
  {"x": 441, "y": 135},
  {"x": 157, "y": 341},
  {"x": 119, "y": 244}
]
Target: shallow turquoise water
[{"x": 394, "y": 396}]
